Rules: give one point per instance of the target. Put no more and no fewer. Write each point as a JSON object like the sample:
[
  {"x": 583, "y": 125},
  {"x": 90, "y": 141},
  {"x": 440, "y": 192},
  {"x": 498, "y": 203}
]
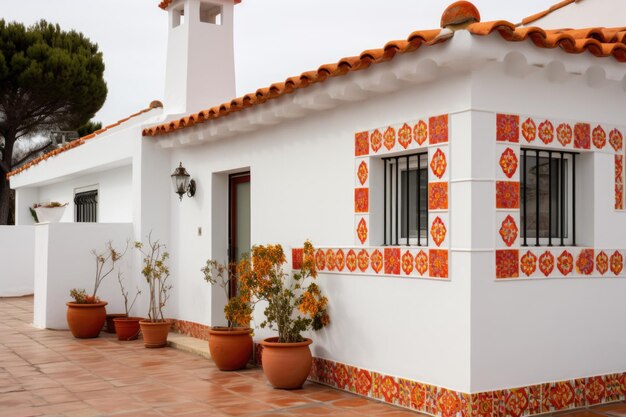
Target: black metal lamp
[{"x": 183, "y": 184}]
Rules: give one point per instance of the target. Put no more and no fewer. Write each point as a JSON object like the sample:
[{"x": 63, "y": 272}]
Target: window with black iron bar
[
  {"x": 406, "y": 200},
  {"x": 548, "y": 195},
  {"x": 86, "y": 207}
]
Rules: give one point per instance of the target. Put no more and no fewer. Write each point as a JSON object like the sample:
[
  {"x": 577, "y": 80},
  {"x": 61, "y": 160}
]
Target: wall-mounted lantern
[{"x": 183, "y": 184}]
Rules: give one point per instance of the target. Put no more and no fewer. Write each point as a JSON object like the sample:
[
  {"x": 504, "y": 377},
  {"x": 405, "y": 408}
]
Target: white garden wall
[
  {"x": 16, "y": 258},
  {"x": 63, "y": 261}
]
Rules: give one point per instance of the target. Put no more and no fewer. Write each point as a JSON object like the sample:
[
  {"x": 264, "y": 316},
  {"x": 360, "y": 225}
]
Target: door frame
[{"x": 233, "y": 181}]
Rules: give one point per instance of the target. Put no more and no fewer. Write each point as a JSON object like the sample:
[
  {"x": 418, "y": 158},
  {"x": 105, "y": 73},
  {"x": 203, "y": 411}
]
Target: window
[
  {"x": 406, "y": 200},
  {"x": 86, "y": 207},
  {"x": 211, "y": 13},
  {"x": 548, "y": 212}
]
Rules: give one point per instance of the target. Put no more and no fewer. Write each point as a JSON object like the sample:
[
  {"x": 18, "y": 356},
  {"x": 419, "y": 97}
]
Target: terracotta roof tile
[
  {"x": 546, "y": 12},
  {"x": 165, "y": 3},
  {"x": 81, "y": 141},
  {"x": 342, "y": 67}
]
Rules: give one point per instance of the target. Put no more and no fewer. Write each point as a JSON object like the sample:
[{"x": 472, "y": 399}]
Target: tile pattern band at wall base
[{"x": 442, "y": 402}]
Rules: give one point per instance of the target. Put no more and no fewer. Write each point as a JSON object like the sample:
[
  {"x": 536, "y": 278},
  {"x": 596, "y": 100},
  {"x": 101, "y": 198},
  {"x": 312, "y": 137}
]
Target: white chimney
[{"x": 200, "y": 69}]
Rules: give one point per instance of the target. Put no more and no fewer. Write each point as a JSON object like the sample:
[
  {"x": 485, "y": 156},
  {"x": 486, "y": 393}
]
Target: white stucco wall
[
  {"x": 529, "y": 332},
  {"x": 302, "y": 181},
  {"x": 16, "y": 258},
  {"x": 63, "y": 261}
]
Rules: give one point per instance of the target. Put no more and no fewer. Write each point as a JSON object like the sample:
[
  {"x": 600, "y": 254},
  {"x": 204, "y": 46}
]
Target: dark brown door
[{"x": 239, "y": 221}]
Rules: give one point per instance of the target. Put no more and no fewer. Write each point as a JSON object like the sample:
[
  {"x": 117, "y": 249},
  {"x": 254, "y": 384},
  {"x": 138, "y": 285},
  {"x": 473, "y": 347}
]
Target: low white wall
[
  {"x": 16, "y": 258},
  {"x": 63, "y": 261}
]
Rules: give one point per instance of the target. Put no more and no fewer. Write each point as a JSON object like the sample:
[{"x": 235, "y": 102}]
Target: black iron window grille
[
  {"x": 86, "y": 207},
  {"x": 405, "y": 210},
  {"x": 548, "y": 195}
]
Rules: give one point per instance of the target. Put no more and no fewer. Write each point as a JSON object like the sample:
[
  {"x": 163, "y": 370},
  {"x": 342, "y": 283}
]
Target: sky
[{"x": 274, "y": 39}]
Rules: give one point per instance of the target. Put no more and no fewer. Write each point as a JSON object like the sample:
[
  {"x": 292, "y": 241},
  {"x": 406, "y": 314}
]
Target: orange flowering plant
[
  {"x": 293, "y": 305},
  {"x": 238, "y": 309}
]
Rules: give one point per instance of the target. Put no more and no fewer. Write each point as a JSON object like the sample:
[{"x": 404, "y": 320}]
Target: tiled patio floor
[{"x": 49, "y": 373}]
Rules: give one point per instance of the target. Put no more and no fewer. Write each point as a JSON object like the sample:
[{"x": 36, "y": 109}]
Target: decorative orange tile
[
  {"x": 376, "y": 140},
  {"x": 507, "y": 194},
  {"x": 296, "y": 258},
  {"x": 363, "y": 382},
  {"x": 509, "y": 162},
  {"x": 584, "y": 262},
  {"x": 507, "y": 128},
  {"x": 482, "y": 404},
  {"x": 421, "y": 262},
  {"x": 351, "y": 260},
  {"x": 418, "y": 397},
  {"x": 509, "y": 230},
  {"x": 320, "y": 260},
  {"x": 389, "y": 138},
  {"x": 528, "y": 263},
  {"x": 389, "y": 390},
  {"x": 438, "y": 196},
  {"x": 341, "y": 377},
  {"x": 602, "y": 263},
  {"x": 405, "y": 136},
  {"x": 330, "y": 260},
  {"x": 407, "y": 263},
  {"x": 420, "y": 132},
  {"x": 613, "y": 388},
  {"x": 534, "y": 399},
  {"x": 546, "y": 263},
  {"x": 529, "y": 130},
  {"x": 362, "y": 172},
  {"x": 361, "y": 144},
  {"x": 405, "y": 388},
  {"x": 448, "y": 402},
  {"x": 619, "y": 182},
  {"x": 376, "y": 260},
  {"x": 516, "y": 402},
  {"x": 438, "y": 163},
  {"x": 565, "y": 263},
  {"x": 616, "y": 140},
  {"x": 438, "y": 129},
  {"x": 361, "y": 200},
  {"x": 598, "y": 137},
  {"x": 557, "y": 396},
  {"x": 363, "y": 260},
  {"x": 438, "y": 231},
  {"x": 582, "y": 136},
  {"x": 546, "y": 132},
  {"x": 340, "y": 260},
  {"x": 438, "y": 263},
  {"x": 392, "y": 261},
  {"x": 507, "y": 263},
  {"x": 595, "y": 390},
  {"x": 617, "y": 263},
  {"x": 564, "y": 134},
  {"x": 361, "y": 231}
]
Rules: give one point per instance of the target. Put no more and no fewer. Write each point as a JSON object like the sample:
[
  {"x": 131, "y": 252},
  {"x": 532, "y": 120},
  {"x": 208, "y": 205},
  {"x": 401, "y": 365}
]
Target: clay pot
[
  {"x": 127, "y": 328},
  {"x": 110, "y": 327},
  {"x": 286, "y": 365},
  {"x": 86, "y": 320},
  {"x": 231, "y": 348},
  {"x": 155, "y": 332}
]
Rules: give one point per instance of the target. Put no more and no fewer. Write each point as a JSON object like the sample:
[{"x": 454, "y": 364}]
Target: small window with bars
[
  {"x": 86, "y": 207},
  {"x": 406, "y": 200},
  {"x": 548, "y": 193}
]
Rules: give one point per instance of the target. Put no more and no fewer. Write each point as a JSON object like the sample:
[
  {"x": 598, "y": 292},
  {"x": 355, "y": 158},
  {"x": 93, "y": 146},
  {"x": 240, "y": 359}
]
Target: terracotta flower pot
[
  {"x": 86, "y": 320},
  {"x": 127, "y": 328},
  {"x": 155, "y": 332},
  {"x": 231, "y": 348},
  {"x": 286, "y": 365},
  {"x": 110, "y": 327}
]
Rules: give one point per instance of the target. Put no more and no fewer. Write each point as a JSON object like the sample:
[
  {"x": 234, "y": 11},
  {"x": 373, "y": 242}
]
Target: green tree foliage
[
  {"x": 88, "y": 128},
  {"x": 49, "y": 80}
]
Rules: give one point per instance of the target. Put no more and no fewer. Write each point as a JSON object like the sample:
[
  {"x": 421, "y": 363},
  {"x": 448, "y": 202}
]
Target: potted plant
[
  {"x": 156, "y": 273},
  {"x": 294, "y": 305},
  {"x": 127, "y": 327},
  {"x": 86, "y": 314},
  {"x": 230, "y": 347},
  {"x": 49, "y": 212}
]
